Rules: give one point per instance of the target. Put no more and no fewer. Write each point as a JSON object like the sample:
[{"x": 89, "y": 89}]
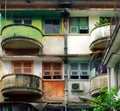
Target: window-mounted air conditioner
[{"x": 83, "y": 27}]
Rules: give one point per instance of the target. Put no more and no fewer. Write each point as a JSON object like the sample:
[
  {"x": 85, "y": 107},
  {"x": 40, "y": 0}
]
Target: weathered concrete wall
[
  {"x": 53, "y": 45},
  {"x": 53, "y": 90}
]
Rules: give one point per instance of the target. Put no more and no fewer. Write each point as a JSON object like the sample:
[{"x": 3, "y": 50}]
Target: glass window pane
[
  {"x": 56, "y": 22},
  {"x": 73, "y": 21},
  {"x": 17, "y": 64},
  {"x": 28, "y": 22},
  {"x": 56, "y": 29},
  {"x": 27, "y": 70},
  {"x": 17, "y": 70},
  {"x": 57, "y": 66},
  {"x": 74, "y": 66},
  {"x": 47, "y": 66},
  {"x": 27, "y": 64},
  {"x": 52, "y": 26},
  {"x": 17, "y": 21},
  {"x": 84, "y": 66},
  {"x": 84, "y": 21},
  {"x": 48, "y": 28}
]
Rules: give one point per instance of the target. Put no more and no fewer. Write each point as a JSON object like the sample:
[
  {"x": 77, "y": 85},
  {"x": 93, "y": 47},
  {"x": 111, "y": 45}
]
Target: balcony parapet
[
  {"x": 21, "y": 85},
  {"x": 21, "y": 36},
  {"x": 99, "y": 37},
  {"x": 97, "y": 82}
]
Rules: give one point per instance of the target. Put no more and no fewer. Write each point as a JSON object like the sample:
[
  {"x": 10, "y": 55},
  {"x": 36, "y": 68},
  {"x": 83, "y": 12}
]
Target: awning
[{"x": 39, "y": 106}]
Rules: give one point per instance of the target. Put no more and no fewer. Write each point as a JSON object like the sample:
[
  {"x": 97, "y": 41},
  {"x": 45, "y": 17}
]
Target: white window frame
[{"x": 79, "y": 71}]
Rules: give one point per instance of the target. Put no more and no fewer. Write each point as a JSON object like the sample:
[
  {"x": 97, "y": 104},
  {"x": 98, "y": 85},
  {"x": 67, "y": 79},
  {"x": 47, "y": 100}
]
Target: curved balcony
[
  {"x": 99, "y": 37},
  {"x": 21, "y": 36},
  {"x": 17, "y": 85},
  {"x": 97, "y": 82}
]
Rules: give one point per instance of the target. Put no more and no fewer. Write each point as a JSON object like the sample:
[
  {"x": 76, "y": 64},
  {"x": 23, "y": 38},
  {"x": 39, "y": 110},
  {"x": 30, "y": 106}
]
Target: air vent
[
  {"x": 74, "y": 73},
  {"x": 84, "y": 73}
]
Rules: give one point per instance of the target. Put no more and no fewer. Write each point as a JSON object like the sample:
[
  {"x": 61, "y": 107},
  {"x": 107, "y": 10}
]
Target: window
[
  {"x": 23, "y": 67},
  {"x": 52, "y": 70},
  {"x": 52, "y": 26},
  {"x": 23, "y": 21},
  {"x": 79, "y": 71},
  {"x": 79, "y": 25}
]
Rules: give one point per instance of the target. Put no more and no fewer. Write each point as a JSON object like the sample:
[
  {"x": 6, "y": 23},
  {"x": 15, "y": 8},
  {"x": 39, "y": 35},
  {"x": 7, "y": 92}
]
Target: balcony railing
[
  {"x": 21, "y": 36},
  {"x": 99, "y": 37},
  {"x": 97, "y": 82},
  {"x": 17, "y": 84}
]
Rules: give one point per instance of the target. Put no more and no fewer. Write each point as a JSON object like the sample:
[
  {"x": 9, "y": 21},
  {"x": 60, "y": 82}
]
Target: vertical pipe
[
  {"x": 5, "y": 10},
  {"x": 65, "y": 16},
  {"x": 109, "y": 78}
]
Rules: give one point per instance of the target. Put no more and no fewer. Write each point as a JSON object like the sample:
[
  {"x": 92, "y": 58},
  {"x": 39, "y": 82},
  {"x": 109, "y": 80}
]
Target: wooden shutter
[
  {"x": 52, "y": 70},
  {"x": 17, "y": 67},
  {"x": 22, "y": 67}
]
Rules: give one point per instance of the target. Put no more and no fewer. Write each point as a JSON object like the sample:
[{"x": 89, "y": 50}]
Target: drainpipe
[{"x": 65, "y": 16}]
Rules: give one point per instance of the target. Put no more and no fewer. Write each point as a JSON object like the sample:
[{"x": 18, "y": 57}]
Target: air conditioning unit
[
  {"x": 84, "y": 27},
  {"x": 77, "y": 87},
  {"x": 73, "y": 29}
]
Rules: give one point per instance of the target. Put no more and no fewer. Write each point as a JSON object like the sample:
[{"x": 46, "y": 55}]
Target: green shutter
[
  {"x": 73, "y": 21},
  {"x": 84, "y": 21}
]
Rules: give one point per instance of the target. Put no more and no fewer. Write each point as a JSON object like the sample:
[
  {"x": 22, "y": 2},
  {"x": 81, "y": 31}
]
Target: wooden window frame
[
  {"x": 22, "y": 66},
  {"x": 52, "y": 71}
]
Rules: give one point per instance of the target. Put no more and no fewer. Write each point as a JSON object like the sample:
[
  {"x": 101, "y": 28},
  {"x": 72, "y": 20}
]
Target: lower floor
[{"x": 20, "y": 106}]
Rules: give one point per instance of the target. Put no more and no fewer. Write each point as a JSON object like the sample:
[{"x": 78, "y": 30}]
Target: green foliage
[
  {"x": 106, "y": 100},
  {"x": 103, "y": 21},
  {"x": 84, "y": 110}
]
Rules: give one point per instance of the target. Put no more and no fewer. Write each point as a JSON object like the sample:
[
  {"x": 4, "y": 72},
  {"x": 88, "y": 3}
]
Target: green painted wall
[
  {"x": 15, "y": 31},
  {"x": 37, "y": 22},
  {"x": 37, "y": 17},
  {"x": 6, "y": 21}
]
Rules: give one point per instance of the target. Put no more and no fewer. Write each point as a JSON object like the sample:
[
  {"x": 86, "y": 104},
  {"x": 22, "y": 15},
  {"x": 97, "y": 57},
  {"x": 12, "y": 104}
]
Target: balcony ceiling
[{"x": 55, "y": 4}]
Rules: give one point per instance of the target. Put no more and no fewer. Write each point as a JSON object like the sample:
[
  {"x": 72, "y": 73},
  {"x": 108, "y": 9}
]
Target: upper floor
[
  {"x": 55, "y": 4},
  {"x": 43, "y": 31}
]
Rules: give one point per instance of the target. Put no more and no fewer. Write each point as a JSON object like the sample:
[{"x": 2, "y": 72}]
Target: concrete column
[{"x": 112, "y": 78}]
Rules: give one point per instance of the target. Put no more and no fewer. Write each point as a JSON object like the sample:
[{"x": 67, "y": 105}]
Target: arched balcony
[
  {"x": 21, "y": 36},
  {"x": 99, "y": 37},
  {"x": 21, "y": 85},
  {"x": 100, "y": 80}
]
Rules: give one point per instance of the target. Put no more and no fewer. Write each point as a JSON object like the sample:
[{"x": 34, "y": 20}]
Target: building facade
[{"x": 51, "y": 53}]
